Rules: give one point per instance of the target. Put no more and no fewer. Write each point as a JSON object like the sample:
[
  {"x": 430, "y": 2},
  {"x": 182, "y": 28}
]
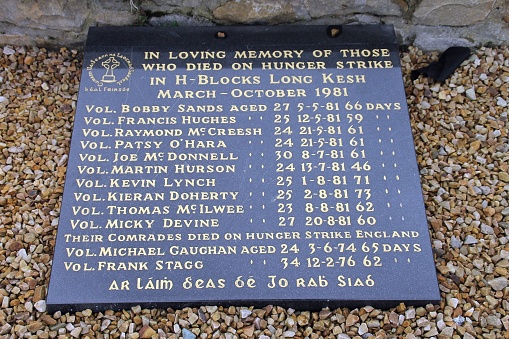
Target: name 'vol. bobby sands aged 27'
[{"x": 224, "y": 168}]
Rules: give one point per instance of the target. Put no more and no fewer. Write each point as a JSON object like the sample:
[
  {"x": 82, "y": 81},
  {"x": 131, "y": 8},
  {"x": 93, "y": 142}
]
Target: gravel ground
[{"x": 461, "y": 136}]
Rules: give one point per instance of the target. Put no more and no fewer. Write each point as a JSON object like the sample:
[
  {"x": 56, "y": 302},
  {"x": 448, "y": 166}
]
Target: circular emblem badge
[{"x": 110, "y": 69}]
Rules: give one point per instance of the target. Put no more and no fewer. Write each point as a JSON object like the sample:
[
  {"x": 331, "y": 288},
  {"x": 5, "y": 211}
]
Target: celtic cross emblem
[{"x": 110, "y": 65}]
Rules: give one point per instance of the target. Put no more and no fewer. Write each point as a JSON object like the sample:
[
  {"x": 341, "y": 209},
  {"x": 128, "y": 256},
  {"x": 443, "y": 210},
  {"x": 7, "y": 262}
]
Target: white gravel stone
[
  {"x": 494, "y": 321},
  {"x": 470, "y": 93},
  {"x": 456, "y": 242},
  {"x": 23, "y": 254},
  {"x": 410, "y": 313},
  {"x": 40, "y": 306},
  {"x": 425, "y": 105},
  {"x": 460, "y": 320},
  {"x": 363, "y": 329},
  {"x": 5, "y": 302},
  {"x": 498, "y": 284},
  {"x": 501, "y": 102},
  {"x": 453, "y": 302},
  {"x": 485, "y": 229},
  {"x": 470, "y": 239},
  {"x": 7, "y": 50},
  {"x": 245, "y": 313}
]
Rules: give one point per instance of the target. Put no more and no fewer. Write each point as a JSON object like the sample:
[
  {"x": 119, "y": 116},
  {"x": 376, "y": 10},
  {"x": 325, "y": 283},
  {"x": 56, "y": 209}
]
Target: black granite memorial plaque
[{"x": 242, "y": 166}]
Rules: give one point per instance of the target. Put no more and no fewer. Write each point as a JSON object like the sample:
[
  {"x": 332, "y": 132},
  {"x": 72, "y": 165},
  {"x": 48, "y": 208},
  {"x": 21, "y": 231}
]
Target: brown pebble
[
  {"x": 248, "y": 330},
  {"x": 48, "y": 319},
  {"x": 34, "y": 326},
  {"x": 146, "y": 332},
  {"x": 16, "y": 246},
  {"x": 39, "y": 293},
  {"x": 29, "y": 60}
]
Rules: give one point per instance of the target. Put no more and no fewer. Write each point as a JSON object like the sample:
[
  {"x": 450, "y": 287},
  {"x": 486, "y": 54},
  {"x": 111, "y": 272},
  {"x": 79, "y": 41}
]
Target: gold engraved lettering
[
  {"x": 124, "y": 286},
  {"x": 128, "y": 224},
  {"x": 118, "y": 196},
  {"x": 386, "y": 234},
  {"x": 84, "y": 224},
  {"x": 284, "y": 65},
  {"x": 132, "y": 182},
  {"x": 154, "y": 284},
  {"x": 235, "y": 80},
  {"x": 142, "y": 237},
  {"x": 92, "y": 157},
  {"x": 290, "y": 79},
  {"x": 201, "y": 156},
  {"x": 202, "y": 250},
  {"x": 191, "y": 143},
  {"x": 268, "y": 93},
  {"x": 145, "y": 109},
  {"x": 191, "y": 119},
  {"x": 137, "y": 144},
  {"x": 79, "y": 196},
  {"x": 159, "y": 67},
  {"x": 120, "y": 132},
  {"x": 83, "y": 238},
  {"x": 365, "y": 64},
  {"x": 203, "y": 283},
  {"x": 331, "y": 78},
  {"x": 157, "y": 81},
  {"x": 344, "y": 281},
  {"x": 210, "y": 209},
  {"x": 201, "y": 182},
  {"x": 213, "y": 131},
  {"x": 175, "y": 195},
  {"x": 138, "y": 210},
  {"x": 203, "y": 236},
  {"x": 88, "y": 132},
  {"x": 182, "y": 168},
  {"x": 87, "y": 144},
  {"x": 123, "y": 120},
  {"x": 272, "y": 235},
  {"x": 196, "y": 223},
  {"x": 178, "y": 265},
  {"x": 203, "y": 55},
  {"x": 183, "y": 108},
  {"x": 401, "y": 247},
  {"x": 201, "y": 94},
  {"x": 383, "y": 106},
  {"x": 130, "y": 251},
  {"x": 81, "y": 210},
  {"x": 98, "y": 109},
  {"x": 365, "y": 53},
  {"x": 203, "y": 66},
  {"x": 122, "y": 266},
  {"x": 260, "y": 249},
  {"x": 97, "y": 121},
  {"x": 319, "y": 281},
  {"x": 146, "y": 169},
  {"x": 287, "y": 54},
  {"x": 248, "y": 108},
  {"x": 79, "y": 252},
  {"x": 327, "y": 235}
]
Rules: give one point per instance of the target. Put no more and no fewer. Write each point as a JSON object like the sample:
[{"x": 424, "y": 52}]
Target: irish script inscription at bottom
[{"x": 259, "y": 165}]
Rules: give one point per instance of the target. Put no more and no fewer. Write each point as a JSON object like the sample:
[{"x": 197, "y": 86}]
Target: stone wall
[{"x": 428, "y": 24}]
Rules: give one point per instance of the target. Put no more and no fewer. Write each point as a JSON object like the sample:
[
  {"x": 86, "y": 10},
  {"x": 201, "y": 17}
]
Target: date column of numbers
[
  {"x": 362, "y": 204},
  {"x": 285, "y": 166},
  {"x": 323, "y": 167}
]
